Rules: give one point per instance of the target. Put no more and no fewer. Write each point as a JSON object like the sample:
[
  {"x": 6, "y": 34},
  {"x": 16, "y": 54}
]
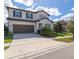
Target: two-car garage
[{"x": 23, "y": 28}]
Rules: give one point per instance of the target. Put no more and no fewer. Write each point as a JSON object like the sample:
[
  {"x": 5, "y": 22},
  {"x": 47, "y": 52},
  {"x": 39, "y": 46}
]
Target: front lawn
[
  {"x": 6, "y": 47},
  {"x": 68, "y": 39},
  {"x": 62, "y": 34},
  {"x": 8, "y": 38}
]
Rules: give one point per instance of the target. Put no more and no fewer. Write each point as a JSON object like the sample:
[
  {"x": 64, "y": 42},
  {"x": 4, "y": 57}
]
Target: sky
[{"x": 58, "y": 9}]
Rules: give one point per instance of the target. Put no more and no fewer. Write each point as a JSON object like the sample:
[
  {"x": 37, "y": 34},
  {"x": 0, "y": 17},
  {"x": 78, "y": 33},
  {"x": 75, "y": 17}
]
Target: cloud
[
  {"x": 25, "y": 2},
  {"x": 8, "y": 3},
  {"x": 66, "y": 1},
  {"x": 32, "y": 3},
  {"x": 56, "y": 19},
  {"x": 67, "y": 16},
  {"x": 72, "y": 9},
  {"x": 5, "y": 14},
  {"x": 51, "y": 11}
]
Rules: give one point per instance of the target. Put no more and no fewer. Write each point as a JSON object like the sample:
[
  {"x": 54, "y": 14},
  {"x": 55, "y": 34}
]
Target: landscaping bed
[{"x": 8, "y": 38}]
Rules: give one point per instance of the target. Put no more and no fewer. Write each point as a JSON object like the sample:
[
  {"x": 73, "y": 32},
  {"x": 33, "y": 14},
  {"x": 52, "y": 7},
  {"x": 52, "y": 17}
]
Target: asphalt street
[{"x": 64, "y": 53}]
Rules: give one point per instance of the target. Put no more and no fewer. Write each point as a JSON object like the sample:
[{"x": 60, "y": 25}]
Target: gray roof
[{"x": 28, "y": 20}]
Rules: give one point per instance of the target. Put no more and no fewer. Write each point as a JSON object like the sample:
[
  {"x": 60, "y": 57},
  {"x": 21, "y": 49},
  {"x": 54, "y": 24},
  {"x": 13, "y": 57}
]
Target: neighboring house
[
  {"x": 24, "y": 21},
  {"x": 63, "y": 23}
]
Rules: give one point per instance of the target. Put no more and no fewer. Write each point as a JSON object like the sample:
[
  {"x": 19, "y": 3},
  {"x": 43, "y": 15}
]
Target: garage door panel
[{"x": 23, "y": 28}]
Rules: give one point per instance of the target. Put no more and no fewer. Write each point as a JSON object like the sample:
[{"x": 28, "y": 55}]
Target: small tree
[
  {"x": 57, "y": 27},
  {"x": 46, "y": 31},
  {"x": 5, "y": 30},
  {"x": 70, "y": 26}
]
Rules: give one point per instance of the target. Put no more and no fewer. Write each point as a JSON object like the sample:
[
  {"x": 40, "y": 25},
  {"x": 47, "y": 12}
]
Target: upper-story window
[
  {"x": 17, "y": 13},
  {"x": 29, "y": 15}
]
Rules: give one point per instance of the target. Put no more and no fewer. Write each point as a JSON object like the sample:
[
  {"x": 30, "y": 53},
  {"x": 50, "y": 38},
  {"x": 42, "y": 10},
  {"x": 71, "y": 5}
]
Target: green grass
[
  {"x": 8, "y": 38},
  {"x": 62, "y": 34},
  {"x": 68, "y": 39},
  {"x": 6, "y": 47}
]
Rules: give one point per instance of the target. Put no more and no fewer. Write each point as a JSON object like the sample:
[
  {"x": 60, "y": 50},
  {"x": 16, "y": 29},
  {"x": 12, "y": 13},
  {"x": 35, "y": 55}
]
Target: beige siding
[
  {"x": 44, "y": 21},
  {"x": 23, "y": 15},
  {"x": 42, "y": 15},
  {"x": 36, "y": 16}
]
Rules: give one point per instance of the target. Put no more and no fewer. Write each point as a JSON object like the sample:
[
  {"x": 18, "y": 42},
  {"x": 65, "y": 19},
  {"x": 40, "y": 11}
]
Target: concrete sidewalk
[{"x": 26, "y": 48}]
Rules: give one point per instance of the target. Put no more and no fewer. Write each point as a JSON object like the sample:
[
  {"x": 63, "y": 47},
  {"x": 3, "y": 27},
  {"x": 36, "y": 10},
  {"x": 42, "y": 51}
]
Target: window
[
  {"x": 47, "y": 25},
  {"x": 17, "y": 13},
  {"x": 29, "y": 15},
  {"x": 40, "y": 26}
]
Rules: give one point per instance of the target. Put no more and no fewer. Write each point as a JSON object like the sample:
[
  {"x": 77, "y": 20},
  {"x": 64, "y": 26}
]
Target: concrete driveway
[
  {"x": 29, "y": 45},
  {"x": 26, "y": 36}
]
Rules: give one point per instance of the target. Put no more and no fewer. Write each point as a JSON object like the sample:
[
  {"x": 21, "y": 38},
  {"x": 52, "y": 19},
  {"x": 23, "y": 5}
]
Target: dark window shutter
[
  {"x": 14, "y": 13},
  {"x": 20, "y": 14},
  {"x": 26, "y": 15},
  {"x": 31, "y": 16}
]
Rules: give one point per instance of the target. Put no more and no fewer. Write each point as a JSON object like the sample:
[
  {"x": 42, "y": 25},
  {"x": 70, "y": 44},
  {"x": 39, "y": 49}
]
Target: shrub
[
  {"x": 58, "y": 27},
  {"x": 8, "y": 38},
  {"x": 46, "y": 31},
  {"x": 5, "y": 30}
]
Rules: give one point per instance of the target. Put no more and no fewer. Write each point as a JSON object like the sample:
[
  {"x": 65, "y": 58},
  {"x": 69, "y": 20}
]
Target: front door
[{"x": 40, "y": 26}]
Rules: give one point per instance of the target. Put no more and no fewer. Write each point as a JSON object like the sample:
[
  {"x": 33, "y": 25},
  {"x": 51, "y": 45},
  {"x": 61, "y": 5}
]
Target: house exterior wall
[
  {"x": 36, "y": 16},
  {"x": 40, "y": 15},
  {"x": 10, "y": 13},
  {"x": 36, "y": 24},
  {"x": 44, "y": 21}
]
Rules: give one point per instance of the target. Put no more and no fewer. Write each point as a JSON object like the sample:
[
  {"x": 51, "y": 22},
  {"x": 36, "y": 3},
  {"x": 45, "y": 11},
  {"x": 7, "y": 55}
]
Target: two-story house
[{"x": 24, "y": 21}]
